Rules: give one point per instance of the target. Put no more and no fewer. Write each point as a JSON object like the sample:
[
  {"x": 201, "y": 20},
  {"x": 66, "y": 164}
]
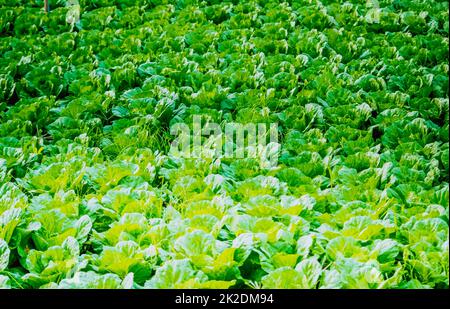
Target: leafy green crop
[{"x": 91, "y": 196}]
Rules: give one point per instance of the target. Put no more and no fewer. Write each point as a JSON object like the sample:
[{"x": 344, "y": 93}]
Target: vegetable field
[{"x": 91, "y": 196}]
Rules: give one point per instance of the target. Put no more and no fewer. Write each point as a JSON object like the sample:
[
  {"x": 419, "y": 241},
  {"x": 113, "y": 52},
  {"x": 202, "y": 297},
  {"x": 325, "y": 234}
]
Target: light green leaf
[
  {"x": 310, "y": 270},
  {"x": 4, "y": 255}
]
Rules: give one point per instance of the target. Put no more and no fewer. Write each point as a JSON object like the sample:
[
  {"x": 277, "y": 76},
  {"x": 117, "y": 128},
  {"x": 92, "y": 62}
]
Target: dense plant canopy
[{"x": 90, "y": 196}]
